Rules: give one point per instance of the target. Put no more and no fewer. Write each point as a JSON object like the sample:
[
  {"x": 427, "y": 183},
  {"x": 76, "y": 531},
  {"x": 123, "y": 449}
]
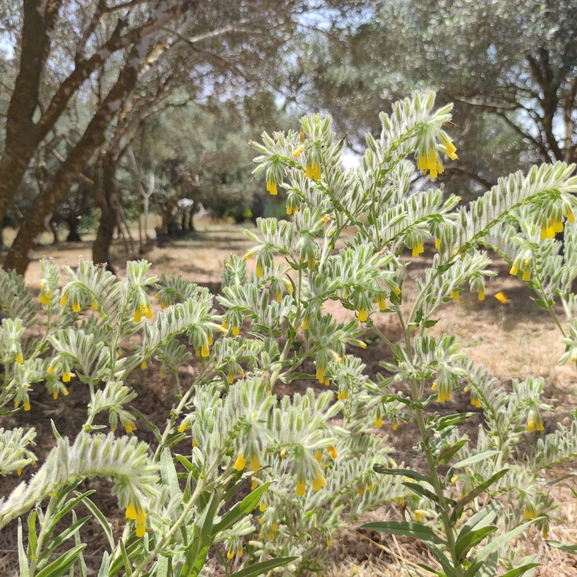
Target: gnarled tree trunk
[{"x": 107, "y": 199}]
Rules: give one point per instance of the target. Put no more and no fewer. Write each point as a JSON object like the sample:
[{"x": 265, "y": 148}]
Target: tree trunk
[
  {"x": 73, "y": 234},
  {"x": 47, "y": 202},
  {"x": 54, "y": 230},
  {"x": 107, "y": 200}
]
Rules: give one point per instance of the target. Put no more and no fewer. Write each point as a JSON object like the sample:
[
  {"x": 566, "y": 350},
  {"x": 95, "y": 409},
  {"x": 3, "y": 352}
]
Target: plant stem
[{"x": 431, "y": 465}]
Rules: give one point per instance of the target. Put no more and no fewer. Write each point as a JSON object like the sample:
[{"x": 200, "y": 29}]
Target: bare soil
[{"x": 511, "y": 340}]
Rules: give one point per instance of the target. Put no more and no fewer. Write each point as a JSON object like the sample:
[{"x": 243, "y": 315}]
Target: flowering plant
[{"x": 318, "y": 459}]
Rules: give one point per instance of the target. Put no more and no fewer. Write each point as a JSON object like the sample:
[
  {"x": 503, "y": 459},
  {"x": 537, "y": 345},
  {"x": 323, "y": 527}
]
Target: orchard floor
[{"x": 510, "y": 340}]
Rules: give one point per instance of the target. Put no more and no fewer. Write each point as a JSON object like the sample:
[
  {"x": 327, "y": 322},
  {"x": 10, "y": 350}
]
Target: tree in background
[
  {"x": 510, "y": 67},
  {"x": 98, "y": 53}
]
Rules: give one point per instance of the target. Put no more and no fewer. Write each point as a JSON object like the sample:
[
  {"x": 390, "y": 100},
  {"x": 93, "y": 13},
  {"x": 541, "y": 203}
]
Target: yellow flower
[
  {"x": 144, "y": 365},
  {"x": 313, "y": 171},
  {"x": 230, "y": 379},
  {"x": 530, "y": 512},
  {"x": 230, "y": 554},
  {"x": 481, "y": 295},
  {"x": 527, "y": 274},
  {"x": 343, "y": 396},
  {"x": 363, "y": 314},
  {"x": 279, "y": 297},
  {"x": 129, "y": 427},
  {"x": 262, "y": 506},
  {"x": 531, "y": 424},
  {"x": 318, "y": 456},
  {"x": 254, "y": 463},
  {"x": 449, "y": 147},
  {"x": 455, "y": 295},
  {"x": 329, "y": 542},
  {"x": 557, "y": 225},
  {"x": 137, "y": 315},
  {"x": 320, "y": 375},
  {"x": 395, "y": 425},
  {"x": 442, "y": 397},
  {"x": 319, "y": 482},
  {"x": 259, "y": 270},
  {"x": 434, "y": 386},
  {"x": 76, "y": 307},
  {"x": 253, "y": 484},
  {"x": 501, "y": 298},
  {"x": 67, "y": 376},
  {"x": 55, "y": 395},
  {"x": 382, "y": 303},
  {"x": 19, "y": 358},
  {"x": 301, "y": 488},
  {"x": 240, "y": 463},
  {"x": 332, "y": 452},
  {"x": 311, "y": 262},
  {"x": 419, "y": 514},
  {"x": 182, "y": 427},
  {"x": 64, "y": 299},
  {"x": 514, "y": 269},
  {"x": 302, "y": 134},
  {"x": 271, "y": 187},
  {"x": 131, "y": 512},
  {"x": 235, "y": 331},
  {"x": 418, "y": 249},
  {"x": 26, "y": 406},
  {"x": 361, "y": 490},
  {"x": 438, "y": 243},
  {"x": 19, "y": 471},
  {"x": 379, "y": 422},
  {"x": 305, "y": 324},
  {"x": 204, "y": 352},
  {"x": 148, "y": 312},
  {"x": 298, "y": 151},
  {"x": 570, "y": 216}
]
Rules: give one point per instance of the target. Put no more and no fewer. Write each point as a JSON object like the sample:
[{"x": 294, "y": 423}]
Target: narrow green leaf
[
  {"x": 447, "y": 453},
  {"x": 241, "y": 509},
  {"x": 67, "y": 508},
  {"x": 404, "y": 472},
  {"x": 485, "y": 567},
  {"x": 475, "y": 493},
  {"x": 562, "y": 546},
  {"x": 455, "y": 419},
  {"x": 429, "y": 569},
  {"x": 474, "y": 459},
  {"x": 520, "y": 570},
  {"x": 442, "y": 559},
  {"x": 419, "y": 490},
  {"x": 66, "y": 534},
  {"x": 81, "y": 562},
  {"x": 162, "y": 566},
  {"x": 501, "y": 540},
  {"x": 22, "y": 557},
  {"x": 102, "y": 520},
  {"x": 198, "y": 551},
  {"x": 481, "y": 519},
  {"x": 58, "y": 567},
  {"x": 105, "y": 565},
  {"x": 168, "y": 474},
  {"x": 125, "y": 559},
  {"x": 155, "y": 430},
  {"x": 405, "y": 529},
  {"x": 263, "y": 567},
  {"x": 471, "y": 539},
  {"x": 32, "y": 537}
]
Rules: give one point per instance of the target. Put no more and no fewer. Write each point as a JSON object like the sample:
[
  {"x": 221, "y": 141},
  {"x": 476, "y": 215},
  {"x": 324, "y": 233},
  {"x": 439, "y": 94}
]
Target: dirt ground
[{"x": 510, "y": 340}]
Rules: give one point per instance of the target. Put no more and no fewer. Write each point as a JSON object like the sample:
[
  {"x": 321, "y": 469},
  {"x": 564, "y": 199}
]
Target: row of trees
[{"x": 102, "y": 98}]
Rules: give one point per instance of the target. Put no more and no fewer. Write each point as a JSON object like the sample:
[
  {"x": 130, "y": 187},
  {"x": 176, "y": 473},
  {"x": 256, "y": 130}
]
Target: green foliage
[{"x": 314, "y": 460}]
